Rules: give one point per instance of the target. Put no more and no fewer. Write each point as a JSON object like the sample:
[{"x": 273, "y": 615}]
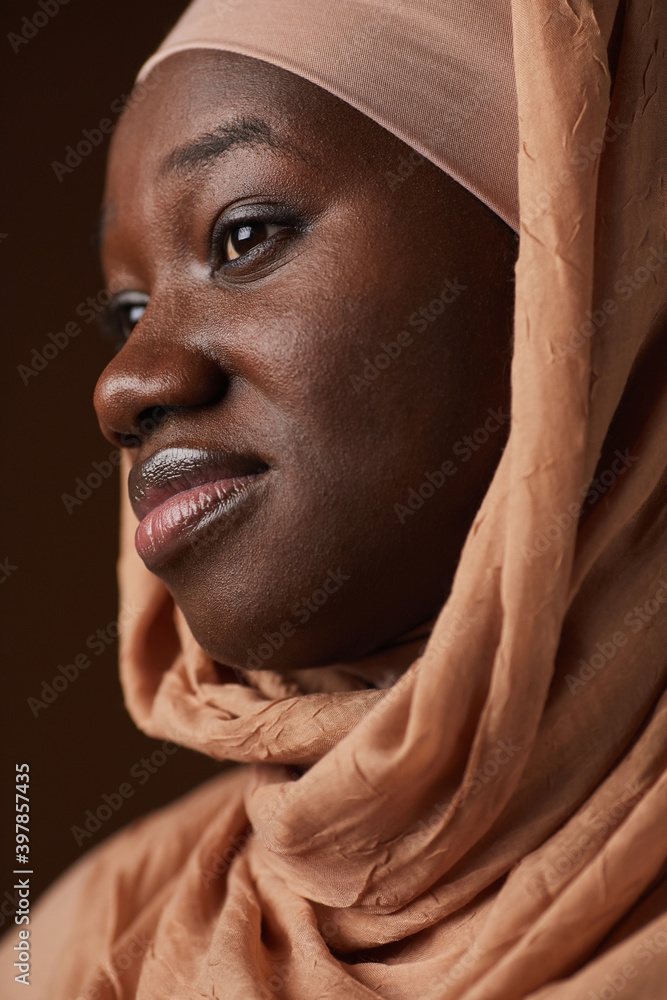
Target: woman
[{"x": 310, "y": 236}]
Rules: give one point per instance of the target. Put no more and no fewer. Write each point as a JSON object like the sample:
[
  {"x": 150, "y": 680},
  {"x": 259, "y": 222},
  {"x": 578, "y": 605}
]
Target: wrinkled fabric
[
  {"x": 439, "y": 74},
  {"x": 493, "y": 825}
]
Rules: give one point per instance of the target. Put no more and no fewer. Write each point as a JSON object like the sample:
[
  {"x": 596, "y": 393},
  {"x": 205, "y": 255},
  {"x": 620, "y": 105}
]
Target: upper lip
[{"x": 173, "y": 470}]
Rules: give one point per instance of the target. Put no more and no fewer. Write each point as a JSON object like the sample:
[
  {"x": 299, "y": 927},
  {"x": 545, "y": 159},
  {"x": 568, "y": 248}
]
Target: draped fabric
[
  {"x": 493, "y": 825},
  {"x": 439, "y": 74}
]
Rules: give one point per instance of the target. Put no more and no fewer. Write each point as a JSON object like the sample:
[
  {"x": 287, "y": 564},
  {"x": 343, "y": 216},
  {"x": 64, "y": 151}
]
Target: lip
[{"x": 179, "y": 493}]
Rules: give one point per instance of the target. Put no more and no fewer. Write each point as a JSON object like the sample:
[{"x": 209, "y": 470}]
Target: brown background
[{"x": 83, "y": 744}]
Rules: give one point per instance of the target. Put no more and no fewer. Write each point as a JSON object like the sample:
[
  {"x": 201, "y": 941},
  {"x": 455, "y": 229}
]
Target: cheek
[
  {"x": 357, "y": 410},
  {"x": 360, "y": 395},
  {"x": 382, "y": 370}
]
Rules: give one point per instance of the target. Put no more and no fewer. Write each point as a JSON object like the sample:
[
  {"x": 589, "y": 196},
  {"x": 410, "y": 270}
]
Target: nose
[{"x": 150, "y": 377}]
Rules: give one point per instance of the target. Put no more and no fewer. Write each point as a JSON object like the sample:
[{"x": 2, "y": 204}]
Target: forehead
[
  {"x": 201, "y": 93},
  {"x": 199, "y": 103}
]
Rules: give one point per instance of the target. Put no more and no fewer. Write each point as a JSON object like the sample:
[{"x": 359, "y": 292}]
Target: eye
[
  {"x": 246, "y": 236},
  {"x": 123, "y": 314},
  {"x": 130, "y": 315}
]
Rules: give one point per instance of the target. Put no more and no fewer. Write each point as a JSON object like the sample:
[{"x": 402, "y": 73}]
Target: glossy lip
[{"x": 179, "y": 493}]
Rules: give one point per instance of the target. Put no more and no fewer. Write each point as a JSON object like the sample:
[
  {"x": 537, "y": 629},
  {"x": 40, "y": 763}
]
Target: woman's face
[{"x": 315, "y": 396}]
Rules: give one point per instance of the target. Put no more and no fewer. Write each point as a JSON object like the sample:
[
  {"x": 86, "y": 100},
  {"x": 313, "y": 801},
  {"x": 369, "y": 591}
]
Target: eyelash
[
  {"x": 224, "y": 228},
  {"x": 117, "y": 314},
  {"x": 116, "y": 319}
]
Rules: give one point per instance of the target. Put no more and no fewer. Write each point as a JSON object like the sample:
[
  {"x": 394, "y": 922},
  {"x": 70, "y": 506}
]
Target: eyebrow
[{"x": 247, "y": 131}]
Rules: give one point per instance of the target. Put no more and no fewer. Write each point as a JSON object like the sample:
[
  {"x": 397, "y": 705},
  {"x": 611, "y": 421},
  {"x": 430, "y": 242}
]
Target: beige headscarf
[
  {"x": 439, "y": 74},
  {"x": 494, "y": 825}
]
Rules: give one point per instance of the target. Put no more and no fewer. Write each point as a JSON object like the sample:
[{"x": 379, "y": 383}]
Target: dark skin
[{"x": 257, "y": 352}]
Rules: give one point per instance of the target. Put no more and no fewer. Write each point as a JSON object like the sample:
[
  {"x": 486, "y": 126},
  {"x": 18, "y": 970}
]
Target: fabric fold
[{"x": 484, "y": 827}]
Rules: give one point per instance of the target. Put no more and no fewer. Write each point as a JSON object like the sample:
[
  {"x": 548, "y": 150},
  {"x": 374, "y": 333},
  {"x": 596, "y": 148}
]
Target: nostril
[
  {"x": 149, "y": 380},
  {"x": 150, "y": 419},
  {"x": 147, "y": 422},
  {"x": 129, "y": 440}
]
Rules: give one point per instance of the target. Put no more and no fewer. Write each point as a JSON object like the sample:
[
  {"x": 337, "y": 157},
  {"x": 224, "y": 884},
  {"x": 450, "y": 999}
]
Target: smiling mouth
[{"x": 180, "y": 494}]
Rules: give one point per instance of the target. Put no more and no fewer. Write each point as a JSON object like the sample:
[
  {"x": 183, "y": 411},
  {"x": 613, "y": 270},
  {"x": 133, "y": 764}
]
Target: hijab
[
  {"x": 491, "y": 825},
  {"x": 439, "y": 75}
]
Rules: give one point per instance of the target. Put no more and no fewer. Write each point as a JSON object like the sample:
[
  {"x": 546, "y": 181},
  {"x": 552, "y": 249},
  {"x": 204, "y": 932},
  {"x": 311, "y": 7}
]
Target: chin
[{"x": 303, "y": 626}]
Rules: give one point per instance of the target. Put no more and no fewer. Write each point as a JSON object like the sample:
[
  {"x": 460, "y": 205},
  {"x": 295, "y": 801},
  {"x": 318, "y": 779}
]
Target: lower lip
[{"x": 195, "y": 518}]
